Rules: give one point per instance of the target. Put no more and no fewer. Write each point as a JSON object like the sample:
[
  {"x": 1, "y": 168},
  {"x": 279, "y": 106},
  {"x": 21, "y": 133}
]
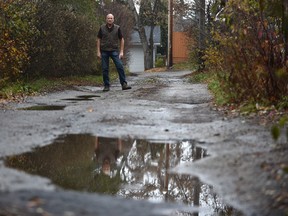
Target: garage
[{"x": 136, "y": 63}]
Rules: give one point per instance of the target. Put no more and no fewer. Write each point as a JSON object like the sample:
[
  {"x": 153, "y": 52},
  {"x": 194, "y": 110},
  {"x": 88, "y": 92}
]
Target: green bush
[
  {"x": 277, "y": 129},
  {"x": 66, "y": 44},
  {"x": 160, "y": 61}
]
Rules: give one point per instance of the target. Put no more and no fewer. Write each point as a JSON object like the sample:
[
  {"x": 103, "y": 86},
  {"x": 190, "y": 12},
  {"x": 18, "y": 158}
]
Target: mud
[{"x": 245, "y": 166}]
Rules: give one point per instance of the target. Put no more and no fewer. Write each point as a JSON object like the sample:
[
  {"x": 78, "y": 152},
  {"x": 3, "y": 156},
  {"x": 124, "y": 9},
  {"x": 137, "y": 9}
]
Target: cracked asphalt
[{"x": 246, "y": 167}]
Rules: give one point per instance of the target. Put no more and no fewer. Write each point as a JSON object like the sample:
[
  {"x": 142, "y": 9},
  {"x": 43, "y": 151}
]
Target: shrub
[
  {"x": 17, "y": 26},
  {"x": 247, "y": 52},
  {"x": 66, "y": 44},
  {"x": 160, "y": 61},
  {"x": 280, "y": 127}
]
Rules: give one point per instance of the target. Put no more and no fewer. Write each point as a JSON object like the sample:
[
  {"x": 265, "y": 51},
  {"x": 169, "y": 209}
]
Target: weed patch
[{"x": 18, "y": 90}]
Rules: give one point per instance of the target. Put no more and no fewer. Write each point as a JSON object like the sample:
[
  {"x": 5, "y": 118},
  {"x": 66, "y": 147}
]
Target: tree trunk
[
  {"x": 201, "y": 24},
  {"x": 285, "y": 28},
  {"x": 150, "y": 53},
  {"x": 147, "y": 47}
]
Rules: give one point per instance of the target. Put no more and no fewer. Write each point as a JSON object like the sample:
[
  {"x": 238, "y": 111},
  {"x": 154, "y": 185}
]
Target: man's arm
[
  {"x": 121, "y": 54},
  {"x": 98, "y": 48}
]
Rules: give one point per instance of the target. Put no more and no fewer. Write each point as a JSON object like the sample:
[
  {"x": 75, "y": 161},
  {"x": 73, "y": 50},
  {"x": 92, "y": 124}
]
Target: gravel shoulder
[{"x": 245, "y": 165}]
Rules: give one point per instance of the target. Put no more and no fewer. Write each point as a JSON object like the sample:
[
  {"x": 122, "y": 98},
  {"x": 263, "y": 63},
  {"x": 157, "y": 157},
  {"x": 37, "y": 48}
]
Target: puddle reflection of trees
[
  {"x": 147, "y": 166},
  {"x": 137, "y": 169}
]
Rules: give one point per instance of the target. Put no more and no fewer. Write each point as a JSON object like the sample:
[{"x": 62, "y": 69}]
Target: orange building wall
[{"x": 179, "y": 47}]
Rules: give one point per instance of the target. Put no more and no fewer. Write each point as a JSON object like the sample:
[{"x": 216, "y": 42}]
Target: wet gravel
[{"x": 246, "y": 167}]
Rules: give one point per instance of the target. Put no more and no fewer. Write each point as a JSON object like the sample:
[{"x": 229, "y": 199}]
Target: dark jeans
[{"x": 114, "y": 55}]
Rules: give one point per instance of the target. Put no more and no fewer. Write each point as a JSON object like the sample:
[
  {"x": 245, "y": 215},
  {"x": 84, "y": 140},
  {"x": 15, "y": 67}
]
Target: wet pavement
[{"x": 159, "y": 137}]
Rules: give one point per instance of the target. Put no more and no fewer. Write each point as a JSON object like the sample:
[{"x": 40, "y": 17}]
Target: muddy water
[
  {"x": 136, "y": 169},
  {"x": 82, "y": 98},
  {"x": 44, "y": 107},
  {"x": 60, "y": 107}
]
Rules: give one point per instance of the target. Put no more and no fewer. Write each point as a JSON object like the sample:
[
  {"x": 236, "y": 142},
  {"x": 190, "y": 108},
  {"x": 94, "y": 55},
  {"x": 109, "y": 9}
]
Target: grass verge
[
  {"x": 262, "y": 112},
  {"x": 21, "y": 89},
  {"x": 214, "y": 85}
]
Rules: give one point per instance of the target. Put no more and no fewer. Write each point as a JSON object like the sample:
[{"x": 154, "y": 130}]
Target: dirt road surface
[{"x": 245, "y": 166}]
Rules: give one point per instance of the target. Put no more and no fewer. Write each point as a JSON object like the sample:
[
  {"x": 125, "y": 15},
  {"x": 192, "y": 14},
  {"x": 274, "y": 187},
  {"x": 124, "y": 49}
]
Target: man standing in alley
[{"x": 108, "y": 39}]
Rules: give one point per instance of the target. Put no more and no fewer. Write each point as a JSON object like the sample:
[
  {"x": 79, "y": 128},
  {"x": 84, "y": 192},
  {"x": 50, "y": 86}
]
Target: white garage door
[{"x": 136, "y": 63}]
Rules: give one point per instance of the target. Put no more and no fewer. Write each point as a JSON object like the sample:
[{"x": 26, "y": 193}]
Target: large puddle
[{"x": 136, "y": 169}]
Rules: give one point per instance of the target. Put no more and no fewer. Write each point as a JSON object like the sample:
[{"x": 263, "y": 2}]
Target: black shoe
[
  {"x": 106, "y": 88},
  {"x": 126, "y": 87}
]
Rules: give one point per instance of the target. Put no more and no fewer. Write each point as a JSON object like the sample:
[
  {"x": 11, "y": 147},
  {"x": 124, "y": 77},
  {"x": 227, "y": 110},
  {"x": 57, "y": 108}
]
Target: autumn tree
[
  {"x": 193, "y": 17},
  {"x": 47, "y": 38},
  {"x": 16, "y": 27}
]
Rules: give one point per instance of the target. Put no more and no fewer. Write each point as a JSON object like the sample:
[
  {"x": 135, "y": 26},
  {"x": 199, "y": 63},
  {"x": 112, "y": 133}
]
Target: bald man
[{"x": 108, "y": 38}]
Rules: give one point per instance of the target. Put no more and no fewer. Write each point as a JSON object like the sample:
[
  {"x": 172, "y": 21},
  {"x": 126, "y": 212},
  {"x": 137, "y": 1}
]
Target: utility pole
[
  {"x": 170, "y": 34},
  {"x": 201, "y": 37},
  {"x": 285, "y": 30}
]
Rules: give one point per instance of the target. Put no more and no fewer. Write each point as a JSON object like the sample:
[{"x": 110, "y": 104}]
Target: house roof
[
  {"x": 135, "y": 39},
  {"x": 180, "y": 24}
]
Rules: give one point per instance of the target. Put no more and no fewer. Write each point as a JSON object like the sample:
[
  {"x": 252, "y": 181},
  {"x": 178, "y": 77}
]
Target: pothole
[
  {"x": 44, "y": 107},
  {"x": 82, "y": 98},
  {"x": 134, "y": 169}
]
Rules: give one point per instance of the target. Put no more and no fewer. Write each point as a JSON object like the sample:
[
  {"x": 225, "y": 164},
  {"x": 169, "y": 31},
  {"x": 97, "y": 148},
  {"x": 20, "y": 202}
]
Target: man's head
[
  {"x": 110, "y": 19},
  {"x": 106, "y": 166}
]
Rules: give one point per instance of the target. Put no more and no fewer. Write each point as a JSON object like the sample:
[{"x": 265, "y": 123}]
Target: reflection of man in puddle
[{"x": 107, "y": 151}]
